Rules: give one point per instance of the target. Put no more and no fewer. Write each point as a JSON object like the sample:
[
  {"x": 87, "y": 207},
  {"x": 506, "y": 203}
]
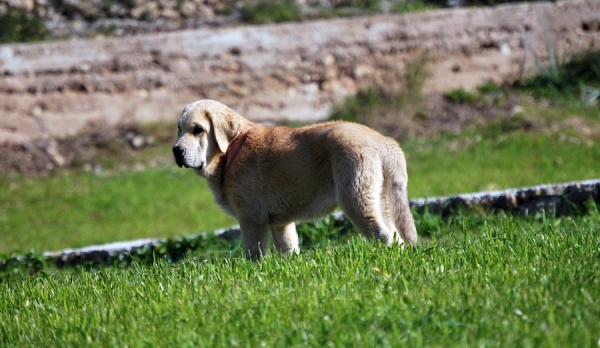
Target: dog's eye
[{"x": 197, "y": 130}]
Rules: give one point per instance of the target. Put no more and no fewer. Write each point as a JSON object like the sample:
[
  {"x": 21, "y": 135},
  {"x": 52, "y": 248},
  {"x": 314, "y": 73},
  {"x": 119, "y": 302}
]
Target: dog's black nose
[{"x": 178, "y": 151}]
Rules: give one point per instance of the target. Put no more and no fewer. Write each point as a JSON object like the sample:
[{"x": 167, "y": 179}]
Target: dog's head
[{"x": 205, "y": 129}]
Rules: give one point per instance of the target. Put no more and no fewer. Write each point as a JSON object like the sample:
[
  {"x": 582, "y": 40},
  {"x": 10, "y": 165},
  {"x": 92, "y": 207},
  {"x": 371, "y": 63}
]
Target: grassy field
[
  {"x": 78, "y": 209},
  {"x": 489, "y": 282},
  {"x": 72, "y": 209},
  {"x": 474, "y": 280},
  {"x": 553, "y": 138}
]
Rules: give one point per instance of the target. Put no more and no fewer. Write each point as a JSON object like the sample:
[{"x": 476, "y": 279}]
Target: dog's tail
[{"x": 396, "y": 185}]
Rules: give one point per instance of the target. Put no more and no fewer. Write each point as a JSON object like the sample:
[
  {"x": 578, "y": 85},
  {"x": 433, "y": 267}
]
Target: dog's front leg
[
  {"x": 285, "y": 238},
  {"x": 255, "y": 239}
]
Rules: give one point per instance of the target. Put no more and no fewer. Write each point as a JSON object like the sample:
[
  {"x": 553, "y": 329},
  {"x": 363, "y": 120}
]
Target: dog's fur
[{"x": 269, "y": 177}]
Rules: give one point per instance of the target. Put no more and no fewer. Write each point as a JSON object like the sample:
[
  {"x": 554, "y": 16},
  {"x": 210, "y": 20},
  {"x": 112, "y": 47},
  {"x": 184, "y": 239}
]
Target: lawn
[
  {"x": 74, "y": 209},
  {"x": 481, "y": 281},
  {"x": 474, "y": 280},
  {"x": 543, "y": 132}
]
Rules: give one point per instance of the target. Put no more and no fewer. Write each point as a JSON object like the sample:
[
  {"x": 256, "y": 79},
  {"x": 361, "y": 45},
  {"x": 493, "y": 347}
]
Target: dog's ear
[{"x": 226, "y": 126}]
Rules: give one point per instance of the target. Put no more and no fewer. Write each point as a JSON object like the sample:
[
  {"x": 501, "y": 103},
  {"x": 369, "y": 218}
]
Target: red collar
[{"x": 234, "y": 149}]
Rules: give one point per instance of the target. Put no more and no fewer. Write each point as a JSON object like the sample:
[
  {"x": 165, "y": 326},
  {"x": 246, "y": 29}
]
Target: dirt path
[{"x": 293, "y": 71}]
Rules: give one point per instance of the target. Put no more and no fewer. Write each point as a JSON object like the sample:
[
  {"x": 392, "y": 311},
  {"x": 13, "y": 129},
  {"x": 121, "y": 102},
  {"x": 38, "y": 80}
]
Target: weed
[
  {"x": 28, "y": 264},
  {"x": 368, "y": 6},
  {"x": 461, "y": 96},
  {"x": 555, "y": 74},
  {"x": 322, "y": 233},
  {"x": 589, "y": 95},
  {"x": 411, "y": 6},
  {"x": 508, "y": 124},
  {"x": 19, "y": 25},
  {"x": 565, "y": 76},
  {"x": 271, "y": 11},
  {"x": 489, "y": 88}
]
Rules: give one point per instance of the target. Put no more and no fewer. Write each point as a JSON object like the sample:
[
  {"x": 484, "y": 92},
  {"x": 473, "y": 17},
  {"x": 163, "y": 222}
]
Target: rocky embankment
[{"x": 293, "y": 71}]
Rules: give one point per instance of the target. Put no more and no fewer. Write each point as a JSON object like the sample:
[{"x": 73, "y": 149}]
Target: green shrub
[
  {"x": 461, "y": 96},
  {"x": 411, "y": 6},
  {"x": 489, "y": 88},
  {"x": 271, "y": 11},
  {"x": 369, "y": 6},
  {"x": 18, "y": 25},
  {"x": 566, "y": 76}
]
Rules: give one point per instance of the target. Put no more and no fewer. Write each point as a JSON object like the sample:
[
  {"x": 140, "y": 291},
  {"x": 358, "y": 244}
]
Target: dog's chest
[{"x": 221, "y": 198}]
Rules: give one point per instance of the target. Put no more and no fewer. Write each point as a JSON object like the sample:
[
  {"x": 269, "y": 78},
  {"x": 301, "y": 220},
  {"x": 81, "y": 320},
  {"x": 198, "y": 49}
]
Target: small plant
[
  {"x": 18, "y": 25},
  {"x": 368, "y": 6},
  {"x": 17, "y": 265},
  {"x": 566, "y": 75},
  {"x": 461, "y": 96},
  {"x": 321, "y": 233},
  {"x": 589, "y": 95},
  {"x": 271, "y": 11},
  {"x": 411, "y": 6},
  {"x": 505, "y": 125},
  {"x": 555, "y": 73},
  {"x": 489, "y": 88}
]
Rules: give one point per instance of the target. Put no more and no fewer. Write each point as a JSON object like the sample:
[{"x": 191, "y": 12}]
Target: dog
[{"x": 270, "y": 177}]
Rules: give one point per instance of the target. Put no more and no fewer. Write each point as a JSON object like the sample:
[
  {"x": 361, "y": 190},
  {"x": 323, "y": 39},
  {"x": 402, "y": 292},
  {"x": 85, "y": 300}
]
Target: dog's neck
[{"x": 233, "y": 150}]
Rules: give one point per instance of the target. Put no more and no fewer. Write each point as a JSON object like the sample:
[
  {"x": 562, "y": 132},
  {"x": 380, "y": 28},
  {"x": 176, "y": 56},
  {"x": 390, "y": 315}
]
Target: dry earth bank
[{"x": 292, "y": 71}]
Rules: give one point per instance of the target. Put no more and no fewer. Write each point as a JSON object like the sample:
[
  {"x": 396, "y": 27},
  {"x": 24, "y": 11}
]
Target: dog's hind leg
[
  {"x": 388, "y": 211},
  {"x": 285, "y": 238},
  {"x": 359, "y": 196},
  {"x": 396, "y": 198},
  {"x": 255, "y": 239}
]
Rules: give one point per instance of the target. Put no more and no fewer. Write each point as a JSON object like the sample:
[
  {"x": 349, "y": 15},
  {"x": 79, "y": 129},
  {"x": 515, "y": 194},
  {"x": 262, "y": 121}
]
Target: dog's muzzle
[{"x": 179, "y": 154}]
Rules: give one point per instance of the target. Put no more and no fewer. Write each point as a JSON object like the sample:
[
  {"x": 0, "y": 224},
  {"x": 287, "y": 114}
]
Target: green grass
[
  {"x": 565, "y": 77},
  {"x": 73, "y": 209},
  {"x": 77, "y": 209},
  {"x": 488, "y": 161},
  {"x": 271, "y": 11},
  {"x": 461, "y": 96},
  {"x": 493, "y": 282},
  {"x": 18, "y": 25}
]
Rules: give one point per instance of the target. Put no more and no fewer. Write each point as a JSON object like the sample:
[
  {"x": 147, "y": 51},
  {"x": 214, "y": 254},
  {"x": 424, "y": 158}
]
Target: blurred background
[{"x": 481, "y": 95}]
